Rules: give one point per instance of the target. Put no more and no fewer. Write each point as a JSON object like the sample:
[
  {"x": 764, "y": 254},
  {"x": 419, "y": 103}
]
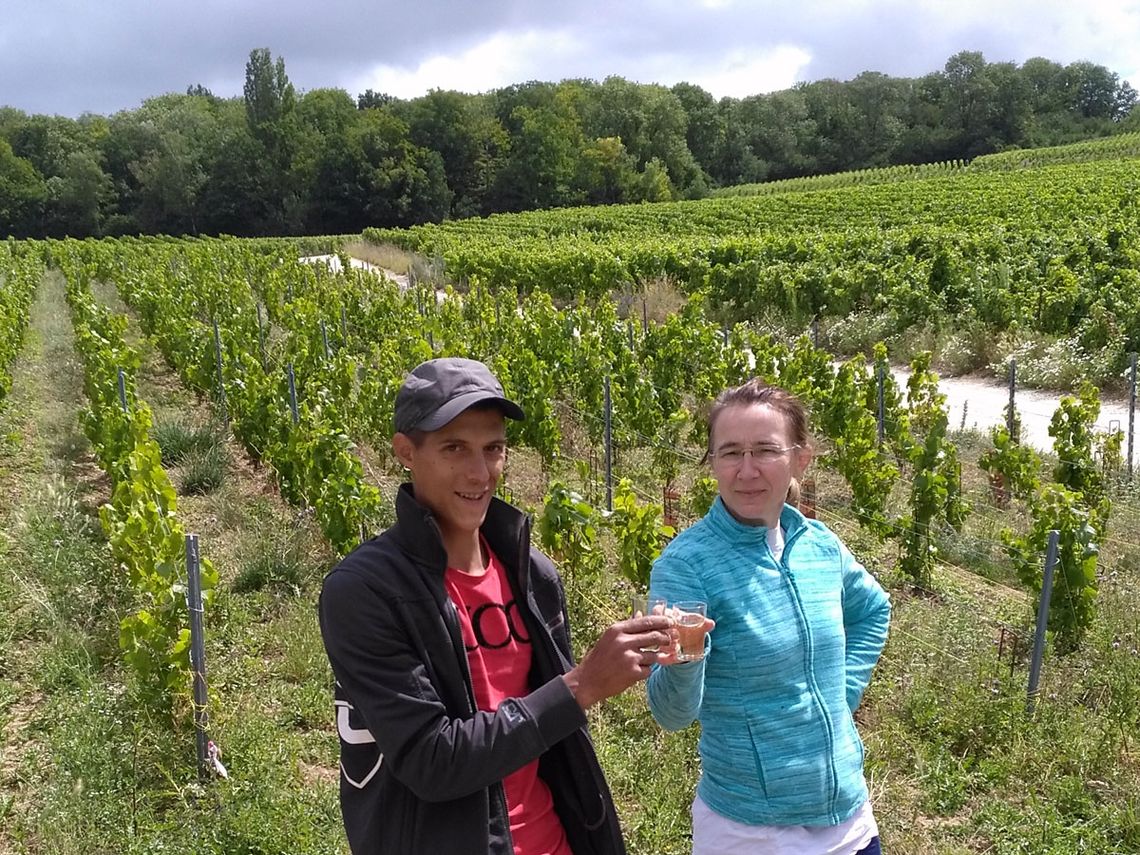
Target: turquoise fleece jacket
[{"x": 793, "y": 649}]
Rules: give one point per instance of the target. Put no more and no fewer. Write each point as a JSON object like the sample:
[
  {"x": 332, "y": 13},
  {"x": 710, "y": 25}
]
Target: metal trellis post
[
  {"x": 293, "y": 394},
  {"x": 1042, "y": 619},
  {"x": 221, "y": 379},
  {"x": 260, "y": 338},
  {"x": 609, "y": 448},
  {"x": 1010, "y": 416},
  {"x": 197, "y": 653},
  {"x": 1131, "y": 408},
  {"x": 881, "y": 416}
]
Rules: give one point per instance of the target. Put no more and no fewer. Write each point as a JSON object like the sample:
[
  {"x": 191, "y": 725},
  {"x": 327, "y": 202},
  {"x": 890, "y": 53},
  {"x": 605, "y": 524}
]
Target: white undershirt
[
  {"x": 714, "y": 834},
  {"x": 776, "y": 541}
]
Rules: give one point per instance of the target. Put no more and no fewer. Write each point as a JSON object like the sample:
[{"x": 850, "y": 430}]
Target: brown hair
[
  {"x": 757, "y": 391},
  {"x": 418, "y": 436}
]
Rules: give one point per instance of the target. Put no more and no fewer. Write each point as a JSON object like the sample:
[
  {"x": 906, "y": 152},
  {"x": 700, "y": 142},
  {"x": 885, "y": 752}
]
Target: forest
[{"x": 278, "y": 161}]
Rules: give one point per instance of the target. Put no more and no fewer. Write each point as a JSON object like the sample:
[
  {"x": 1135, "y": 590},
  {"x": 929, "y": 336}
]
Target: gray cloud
[{"x": 69, "y": 56}]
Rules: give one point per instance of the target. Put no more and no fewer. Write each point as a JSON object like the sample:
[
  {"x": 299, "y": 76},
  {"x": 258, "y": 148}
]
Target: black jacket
[{"x": 421, "y": 768}]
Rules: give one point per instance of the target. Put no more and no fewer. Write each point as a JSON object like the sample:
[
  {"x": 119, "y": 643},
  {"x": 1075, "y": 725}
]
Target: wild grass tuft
[
  {"x": 203, "y": 471},
  {"x": 269, "y": 571},
  {"x": 178, "y": 437}
]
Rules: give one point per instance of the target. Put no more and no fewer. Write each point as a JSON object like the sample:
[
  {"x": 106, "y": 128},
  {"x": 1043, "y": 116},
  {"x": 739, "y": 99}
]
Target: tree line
[{"x": 277, "y": 162}]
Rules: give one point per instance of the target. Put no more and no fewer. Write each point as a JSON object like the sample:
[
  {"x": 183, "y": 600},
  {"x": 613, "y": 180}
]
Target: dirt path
[
  {"x": 401, "y": 279},
  {"x": 979, "y": 403},
  {"x": 333, "y": 263},
  {"x": 53, "y": 577}
]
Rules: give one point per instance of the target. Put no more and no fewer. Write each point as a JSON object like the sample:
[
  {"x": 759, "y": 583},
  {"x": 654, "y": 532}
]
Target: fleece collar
[{"x": 729, "y": 527}]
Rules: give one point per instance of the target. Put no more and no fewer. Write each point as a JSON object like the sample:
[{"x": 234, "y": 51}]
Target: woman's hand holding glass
[{"x": 689, "y": 624}]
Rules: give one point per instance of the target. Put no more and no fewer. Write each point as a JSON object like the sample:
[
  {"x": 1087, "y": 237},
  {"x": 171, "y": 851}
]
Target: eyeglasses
[{"x": 734, "y": 455}]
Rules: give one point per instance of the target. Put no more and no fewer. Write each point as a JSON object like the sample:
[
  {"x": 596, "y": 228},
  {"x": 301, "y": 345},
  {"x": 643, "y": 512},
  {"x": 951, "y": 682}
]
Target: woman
[{"x": 799, "y": 625}]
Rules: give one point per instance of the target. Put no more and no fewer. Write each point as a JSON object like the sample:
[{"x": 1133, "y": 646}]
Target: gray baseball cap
[{"x": 440, "y": 389}]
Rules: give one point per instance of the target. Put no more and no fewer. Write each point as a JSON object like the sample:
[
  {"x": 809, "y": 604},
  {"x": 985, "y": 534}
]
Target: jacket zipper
[
  {"x": 557, "y": 660},
  {"x": 809, "y": 654},
  {"x": 496, "y": 791}
]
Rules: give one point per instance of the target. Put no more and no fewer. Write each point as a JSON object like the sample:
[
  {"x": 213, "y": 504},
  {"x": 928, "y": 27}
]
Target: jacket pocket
[
  {"x": 849, "y": 756},
  {"x": 793, "y": 767},
  {"x": 758, "y": 759},
  {"x": 581, "y": 797}
]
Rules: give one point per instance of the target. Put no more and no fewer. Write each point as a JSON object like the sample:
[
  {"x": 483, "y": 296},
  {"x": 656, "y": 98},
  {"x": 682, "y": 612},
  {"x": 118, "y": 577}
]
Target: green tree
[
  {"x": 47, "y": 142},
  {"x": 543, "y": 166},
  {"x": 340, "y": 187},
  {"x": 79, "y": 197},
  {"x": 655, "y": 184},
  {"x": 608, "y": 174},
  {"x": 471, "y": 142},
  {"x": 181, "y": 136},
  {"x": 235, "y": 199},
  {"x": 880, "y": 101},
  {"x": 1126, "y": 99},
  {"x": 1011, "y": 111},
  {"x": 405, "y": 184},
  {"x": 130, "y": 138},
  {"x": 270, "y": 108},
  {"x": 324, "y": 118},
  {"x": 735, "y": 161},
  {"x": 667, "y": 124},
  {"x": 927, "y": 137},
  {"x": 1092, "y": 90},
  {"x": 837, "y": 144},
  {"x": 1042, "y": 81},
  {"x": 619, "y": 108},
  {"x": 269, "y": 98},
  {"x": 705, "y": 124},
  {"x": 369, "y": 100},
  {"x": 170, "y": 179},
  {"x": 971, "y": 103},
  {"x": 778, "y": 130},
  {"x": 10, "y": 120},
  {"x": 22, "y": 194},
  {"x": 328, "y": 112}
]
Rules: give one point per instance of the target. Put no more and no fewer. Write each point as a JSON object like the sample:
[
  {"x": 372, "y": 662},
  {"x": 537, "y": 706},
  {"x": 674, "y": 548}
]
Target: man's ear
[{"x": 404, "y": 449}]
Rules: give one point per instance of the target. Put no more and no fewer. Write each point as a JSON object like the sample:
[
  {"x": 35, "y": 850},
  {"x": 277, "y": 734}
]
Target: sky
[{"x": 69, "y": 57}]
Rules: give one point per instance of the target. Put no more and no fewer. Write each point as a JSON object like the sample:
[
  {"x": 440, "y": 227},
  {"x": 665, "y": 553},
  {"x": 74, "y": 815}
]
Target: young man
[{"x": 460, "y": 710}]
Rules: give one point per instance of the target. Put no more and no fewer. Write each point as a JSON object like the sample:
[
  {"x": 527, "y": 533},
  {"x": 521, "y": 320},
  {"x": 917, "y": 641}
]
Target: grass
[
  {"x": 203, "y": 470},
  {"x": 397, "y": 260},
  {"x": 654, "y": 303},
  {"x": 385, "y": 255},
  {"x": 177, "y": 437},
  {"x": 274, "y": 566},
  {"x": 59, "y": 596}
]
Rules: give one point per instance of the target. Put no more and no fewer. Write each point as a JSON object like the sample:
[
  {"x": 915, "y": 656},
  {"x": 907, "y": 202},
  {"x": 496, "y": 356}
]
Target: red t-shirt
[{"x": 499, "y": 658}]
